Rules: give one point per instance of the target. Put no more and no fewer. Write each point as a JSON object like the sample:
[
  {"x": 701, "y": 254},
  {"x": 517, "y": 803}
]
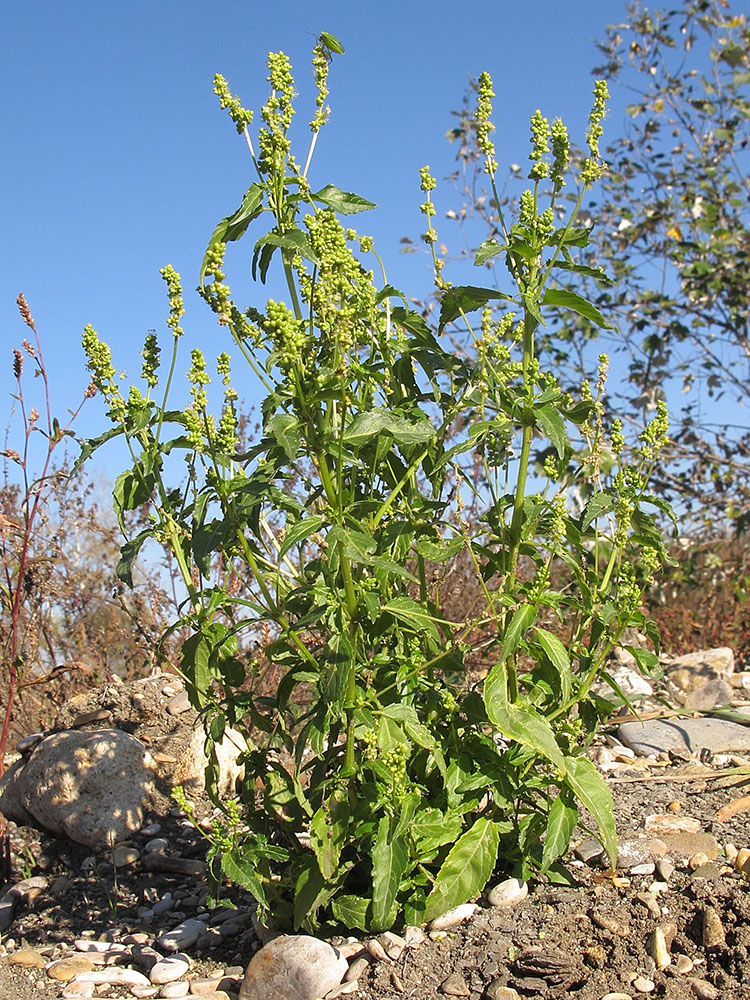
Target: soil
[{"x": 581, "y": 941}]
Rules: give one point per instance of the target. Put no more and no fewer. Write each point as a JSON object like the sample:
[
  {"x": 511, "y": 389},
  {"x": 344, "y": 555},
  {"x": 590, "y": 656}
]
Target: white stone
[
  {"x": 144, "y": 991},
  {"x": 172, "y": 991},
  {"x": 182, "y": 936},
  {"x": 102, "y": 947},
  {"x": 169, "y": 969},
  {"x": 190, "y": 772},
  {"x": 508, "y": 893},
  {"x": 75, "y": 989},
  {"x": 156, "y": 844},
  {"x": 455, "y": 916},
  {"x": 295, "y": 967},
  {"x": 92, "y": 787},
  {"x": 114, "y": 976}
]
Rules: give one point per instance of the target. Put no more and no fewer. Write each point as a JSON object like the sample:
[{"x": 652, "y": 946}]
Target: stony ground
[{"x": 672, "y": 922}]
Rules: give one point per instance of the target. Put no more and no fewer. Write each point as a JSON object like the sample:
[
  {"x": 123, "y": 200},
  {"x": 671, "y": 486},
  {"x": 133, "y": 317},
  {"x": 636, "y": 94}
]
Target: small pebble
[
  {"x": 455, "y": 916},
  {"x": 182, "y": 936},
  {"x": 643, "y": 985},
  {"x": 27, "y": 958},
  {"x": 74, "y": 990},
  {"x": 669, "y": 823},
  {"x": 144, "y": 991},
  {"x": 151, "y": 830},
  {"x": 394, "y": 945},
  {"x": 617, "y": 996},
  {"x": 682, "y": 965},
  {"x": 455, "y": 986},
  {"x": 114, "y": 976},
  {"x": 713, "y": 929},
  {"x": 169, "y": 969},
  {"x": 173, "y": 991},
  {"x": 659, "y": 950},
  {"x": 414, "y": 936},
  {"x": 697, "y": 860},
  {"x": 648, "y": 868},
  {"x": 498, "y": 992},
  {"x": 351, "y": 949},
  {"x": 358, "y": 967},
  {"x": 742, "y": 858},
  {"x": 508, "y": 893},
  {"x": 376, "y": 949},
  {"x": 665, "y": 869},
  {"x": 124, "y": 856},
  {"x": 704, "y": 990},
  {"x": 156, "y": 844},
  {"x": 65, "y": 969}
]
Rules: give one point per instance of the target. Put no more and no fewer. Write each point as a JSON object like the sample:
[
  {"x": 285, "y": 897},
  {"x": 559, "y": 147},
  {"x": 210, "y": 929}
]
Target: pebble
[
  {"x": 455, "y": 986},
  {"x": 697, "y": 861},
  {"x": 617, "y": 996},
  {"x": 151, "y": 830},
  {"x": 172, "y": 991},
  {"x": 376, "y": 949},
  {"x": 414, "y": 936},
  {"x": 65, "y": 969},
  {"x": 27, "y": 958},
  {"x": 659, "y": 950},
  {"x": 358, "y": 967},
  {"x": 169, "y": 969},
  {"x": 713, "y": 929},
  {"x": 144, "y": 991},
  {"x": 704, "y": 990},
  {"x": 453, "y": 917},
  {"x": 394, "y": 945},
  {"x": 206, "y": 986},
  {"x": 156, "y": 844},
  {"x": 114, "y": 976},
  {"x": 508, "y": 893},
  {"x": 178, "y": 703},
  {"x": 655, "y": 736},
  {"x": 496, "y": 991},
  {"x": 669, "y": 823},
  {"x": 103, "y": 947},
  {"x": 182, "y": 936},
  {"x": 73, "y": 990},
  {"x": 643, "y": 985},
  {"x": 682, "y": 965},
  {"x": 665, "y": 869},
  {"x": 124, "y": 856}
]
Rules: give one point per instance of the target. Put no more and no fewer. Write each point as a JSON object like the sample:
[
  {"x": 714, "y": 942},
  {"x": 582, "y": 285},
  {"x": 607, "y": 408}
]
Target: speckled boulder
[{"x": 92, "y": 787}]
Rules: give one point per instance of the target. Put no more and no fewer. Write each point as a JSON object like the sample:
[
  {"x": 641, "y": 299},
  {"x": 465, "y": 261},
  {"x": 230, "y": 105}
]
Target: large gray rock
[
  {"x": 295, "y": 967},
  {"x": 659, "y": 735},
  {"x": 92, "y": 787}
]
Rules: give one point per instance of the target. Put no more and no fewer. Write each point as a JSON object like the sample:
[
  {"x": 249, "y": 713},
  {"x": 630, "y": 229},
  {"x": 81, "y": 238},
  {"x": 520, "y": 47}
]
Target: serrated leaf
[
  {"x": 549, "y": 417},
  {"x": 389, "y": 860},
  {"x": 519, "y": 623},
  {"x": 343, "y": 202},
  {"x": 600, "y": 503},
  {"x": 413, "y": 614},
  {"x": 353, "y": 911},
  {"x": 565, "y": 299},
  {"x": 466, "y": 870},
  {"x": 328, "y": 832},
  {"x": 588, "y": 785},
  {"x": 466, "y": 298},
  {"x": 286, "y": 431},
  {"x": 558, "y": 656},
  {"x": 517, "y": 721},
  {"x": 439, "y": 551},
  {"x": 487, "y": 249},
  {"x": 234, "y": 226},
  {"x": 242, "y": 873}
]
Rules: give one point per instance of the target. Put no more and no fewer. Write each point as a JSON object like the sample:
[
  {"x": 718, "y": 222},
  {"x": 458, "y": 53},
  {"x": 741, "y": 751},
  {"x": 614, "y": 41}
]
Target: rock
[
  {"x": 124, "y": 856},
  {"x": 114, "y": 976},
  {"x": 694, "y": 735},
  {"x": 296, "y": 967},
  {"x": 414, "y": 936},
  {"x": 27, "y": 958},
  {"x": 169, "y": 969},
  {"x": 682, "y": 965},
  {"x": 610, "y": 923},
  {"x": 358, "y": 967},
  {"x": 172, "y": 991},
  {"x": 74, "y": 990},
  {"x": 643, "y": 985},
  {"x": 693, "y": 670},
  {"x": 665, "y": 869},
  {"x": 182, "y": 936},
  {"x": 191, "y": 770},
  {"x": 91, "y": 787},
  {"x": 658, "y": 949},
  {"x": 589, "y": 850},
  {"x": 455, "y": 986},
  {"x": 455, "y": 916},
  {"x": 708, "y": 696},
  {"x": 669, "y": 823},
  {"x": 7, "y": 909},
  {"x": 66, "y": 969},
  {"x": 394, "y": 945},
  {"x": 496, "y": 991},
  {"x": 377, "y": 951},
  {"x": 630, "y": 680},
  {"x": 508, "y": 893},
  {"x": 703, "y": 990},
  {"x": 156, "y": 844},
  {"x": 685, "y": 845},
  {"x": 206, "y": 986},
  {"x": 713, "y": 930},
  {"x": 634, "y": 851},
  {"x": 178, "y": 703}
]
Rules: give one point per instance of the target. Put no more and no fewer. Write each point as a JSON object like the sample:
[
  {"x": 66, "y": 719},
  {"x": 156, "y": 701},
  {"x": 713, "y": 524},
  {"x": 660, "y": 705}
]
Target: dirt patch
[{"x": 560, "y": 942}]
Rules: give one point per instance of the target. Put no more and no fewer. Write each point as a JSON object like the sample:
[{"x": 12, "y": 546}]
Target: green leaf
[
  {"x": 519, "y": 722},
  {"x": 466, "y": 870},
  {"x": 549, "y": 417},
  {"x": 588, "y": 785},
  {"x": 343, "y": 202},
  {"x": 466, "y": 298},
  {"x": 242, "y": 873},
  {"x": 600, "y": 503},
  {"x": 431, "y": 829},
  {"x": 413, "y": 614},
  {"x": 487, "y": 249},
  {"x": 356, "y": 545},
  {"x": 565, "y": 299},
  {"x": 128, "y": 552},
  {"x": 194, "y": 663},
  {"x": 365, "y": 426},
  {"x": 439, "y": 551},
  {"x": 328, "y": 832},
  {"x": 235, "y": 225},
  {"x": 561, "y": 822},
  {"x": 353, "y": 911},
  {"x": 407, "y": 714},
  {"x": 389, "y": 861},
  {"x": 590, "y": 272},
  {"x": 132, "y": 489},
  {"x": 558, "y": 657},
  {"x": 300, "y": 531},
  {"x": 286, "y": 432},
  {"x": 519, "y": 623}
]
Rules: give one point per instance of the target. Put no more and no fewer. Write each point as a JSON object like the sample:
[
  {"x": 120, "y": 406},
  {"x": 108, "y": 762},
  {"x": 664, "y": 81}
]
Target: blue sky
[{"x": 118, "y": 159}]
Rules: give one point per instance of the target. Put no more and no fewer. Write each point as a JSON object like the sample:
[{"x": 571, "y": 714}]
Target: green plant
[{"x": 380, "y": 787}]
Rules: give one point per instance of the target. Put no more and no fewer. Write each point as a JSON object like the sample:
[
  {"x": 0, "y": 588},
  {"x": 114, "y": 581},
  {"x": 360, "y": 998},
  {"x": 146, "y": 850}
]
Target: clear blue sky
[{"x": 118, "y": 159}]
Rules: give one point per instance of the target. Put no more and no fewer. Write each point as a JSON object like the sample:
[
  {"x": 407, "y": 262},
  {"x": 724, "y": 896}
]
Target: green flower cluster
[
  {"x": 176, "y": 305},
  {"x": 277, "y": 113},
  {"x": 593, "y": 168},
  {"x": 104, "y": 376},
  {"x": 321, "y": 61},
  {"x": 484, "y": 125},
  {"x": 540, "y": 136},
  {"x": 427, "y": 184},
  {"x": 561, "y": 152},
  {"x": 151, "y": 353},
  {"x": 241, "y": 117},
  {"x": 287, "y": 334}
]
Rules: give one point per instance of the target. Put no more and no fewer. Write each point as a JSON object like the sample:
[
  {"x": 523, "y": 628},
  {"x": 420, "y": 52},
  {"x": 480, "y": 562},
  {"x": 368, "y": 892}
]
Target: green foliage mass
[{"x": 381, "y": 786}]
